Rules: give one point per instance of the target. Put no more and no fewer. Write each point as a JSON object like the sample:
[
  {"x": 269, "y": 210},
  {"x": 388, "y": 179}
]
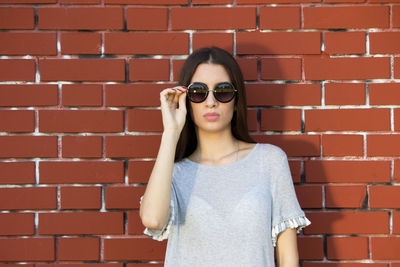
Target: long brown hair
[{"x": 188, "y": 140}]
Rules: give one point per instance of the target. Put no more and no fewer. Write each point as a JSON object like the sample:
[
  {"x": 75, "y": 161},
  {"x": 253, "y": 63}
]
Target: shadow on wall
[{"x": 276, "y": 93}]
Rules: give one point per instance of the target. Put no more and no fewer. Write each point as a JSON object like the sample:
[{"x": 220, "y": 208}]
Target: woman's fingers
[{"x": 171, "y": 95}]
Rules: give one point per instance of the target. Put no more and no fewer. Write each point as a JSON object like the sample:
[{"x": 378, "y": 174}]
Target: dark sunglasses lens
[
  {"x": 224, "y": 92},
  {"x": 197, "y": 92}
]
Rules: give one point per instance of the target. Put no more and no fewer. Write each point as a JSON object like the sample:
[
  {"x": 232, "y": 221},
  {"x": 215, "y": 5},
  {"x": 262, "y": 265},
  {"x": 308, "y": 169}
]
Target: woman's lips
[{"x": 211, "y": 116}]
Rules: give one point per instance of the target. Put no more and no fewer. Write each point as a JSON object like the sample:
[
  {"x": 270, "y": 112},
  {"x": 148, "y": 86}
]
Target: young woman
[{"x": 219, "y": 198}]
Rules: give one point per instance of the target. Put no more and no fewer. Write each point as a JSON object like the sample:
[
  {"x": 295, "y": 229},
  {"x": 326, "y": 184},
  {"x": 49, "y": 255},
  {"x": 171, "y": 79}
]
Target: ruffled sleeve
[
  {"x": 286, "y": 211},
  {"x": 162, "y": 234}
]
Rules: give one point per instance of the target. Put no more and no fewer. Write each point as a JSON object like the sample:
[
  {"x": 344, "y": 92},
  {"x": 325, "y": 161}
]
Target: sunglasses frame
[{"x": 214, "y": 93}]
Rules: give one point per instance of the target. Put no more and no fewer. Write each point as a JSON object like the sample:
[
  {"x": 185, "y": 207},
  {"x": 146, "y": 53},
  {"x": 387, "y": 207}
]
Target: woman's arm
[
  {"x": 154, "y": 207},
  {"x": 286, "y": 248}
]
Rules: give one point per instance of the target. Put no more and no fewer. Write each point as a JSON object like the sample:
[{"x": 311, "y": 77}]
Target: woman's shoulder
[{"x": 270, "y": 150}]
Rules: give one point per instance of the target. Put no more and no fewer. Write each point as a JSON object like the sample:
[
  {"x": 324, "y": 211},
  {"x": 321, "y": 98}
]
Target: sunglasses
[{"x": 224, "y": 92}]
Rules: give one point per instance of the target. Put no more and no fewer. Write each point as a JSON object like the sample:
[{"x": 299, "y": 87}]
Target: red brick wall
[{"x": 79, "y": 124}]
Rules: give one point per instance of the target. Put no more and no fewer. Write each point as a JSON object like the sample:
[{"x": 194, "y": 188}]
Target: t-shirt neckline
[{"x": 226, "y": 165}]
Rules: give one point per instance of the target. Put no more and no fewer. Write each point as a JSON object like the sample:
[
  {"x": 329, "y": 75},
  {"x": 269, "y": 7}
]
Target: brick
[
  {"x": 345, "y": 42},
  {"x": 347, "y": 120},
  {"x": 28, "y": 198},
  {"x": 222, "y": 40},
  {"x": 342, "y": 145},
  {"x": 139, "y": 171},
  {"x": 144, "y": 120},
  {"x": 281, "y": 69},
  {"x": 80, "y": 264},
  {"x": 252, "y": 122},
  {"x": 17, "y": 18},
  {"x": 81, "y": 223},
  {"x": 82, "y": 94},
  {"x": 342, "y": 171},
  {"x": 144, "y": 19},
  {"x": 153, "y": 265},
  {"x": 360, "y": 68},
  {"x": 77, "y": 248},
  {"x": 345, "y": 17},
  {"x": 17, "y": 172},
  {"x": 384, "y": 93},
  {"x": 396, "y": 16},
  {"x": 245, "y": 2},
  {"x": 80, "y": 197},
  {"x": 135, "y": 226},
  {"x": 344, "y": 1},
  {"x": 17, "y": 70},
  {"x": 82, "y": 146},
  {"x": 177, "y": 65},
  {"x": 28, "y": 146},
  {"x": 396, "y": 222},
  {"x": 17, "y": 121},
  {"x": 123, "y": 197},
  {"x": 281, "y": 119},
  {"x": 384, "y": 42},
  {"x": 159, "y": 43},
  {"x": 384, "y": 197},
  {"x": 385, "y": 248},
  {"x": 248, "y": 66},
  {"x": 277, "y": 18},
  {"x": 80, "y": 18},
  {"x": 213, "y": 18},
  {"x": 272, "y": 43},
  {"x": 345, "y": 196},
  {"x": 351, "y": 222},
  {"x": 149, "y": 69},
  {"x": 145, "y": 249},
  {"x": 15, "y": 265},
  {"x": 25, "y": 95},
  {"x": 28, "y": 43},
  {"x": 17, "y": 223},
  {"x": 283, "y": 94},
  {"x": 78, "y": 2},
  {"x": 145, "y": 146},
  {"x": 75, "y": 121},
  {"x": 212, "y": 2},
  {"x": 80, "y": 43},
  {"x": 347, "y": 248},
  {"x": 344, "y": 93},
  {"x": 137, "y": 95},
  {"x": 309, "y": 196},
  {"x": 310, "y": 248},
  {"x": 82, "y": 172},
  {"x": 383, "y": 145},
  {"x": 29, "y": 1},
  {"x": 27, "y": 249},
  {"x": 82, "y": 69},
  {"x": 293, "y": 145},
  {"x": 396, "y": 174},
  {"x": 295, "y": 170},
  {"x": 148, "y": 2}
]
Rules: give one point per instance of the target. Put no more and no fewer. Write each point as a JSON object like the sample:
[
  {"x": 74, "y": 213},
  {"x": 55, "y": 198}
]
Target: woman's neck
[{"x": 214, "y": 147}]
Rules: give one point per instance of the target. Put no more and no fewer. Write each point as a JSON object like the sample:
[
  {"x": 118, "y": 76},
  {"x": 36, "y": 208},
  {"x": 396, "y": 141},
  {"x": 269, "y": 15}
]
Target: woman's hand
[{"x": 173, "y": 108}]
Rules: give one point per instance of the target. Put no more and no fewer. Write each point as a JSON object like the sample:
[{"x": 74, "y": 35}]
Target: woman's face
[{"x": 212, "y": 115}]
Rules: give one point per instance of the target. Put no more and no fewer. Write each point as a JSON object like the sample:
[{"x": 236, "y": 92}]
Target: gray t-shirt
[{"x": 230, "y": 215}]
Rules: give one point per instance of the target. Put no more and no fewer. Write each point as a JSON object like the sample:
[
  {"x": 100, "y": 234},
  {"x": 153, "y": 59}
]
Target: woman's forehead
[{"x": 210, "y": 73}]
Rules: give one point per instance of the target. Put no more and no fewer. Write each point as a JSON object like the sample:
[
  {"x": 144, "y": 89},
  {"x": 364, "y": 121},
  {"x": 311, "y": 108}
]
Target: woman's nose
[{"x": 210, "y": 100}]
